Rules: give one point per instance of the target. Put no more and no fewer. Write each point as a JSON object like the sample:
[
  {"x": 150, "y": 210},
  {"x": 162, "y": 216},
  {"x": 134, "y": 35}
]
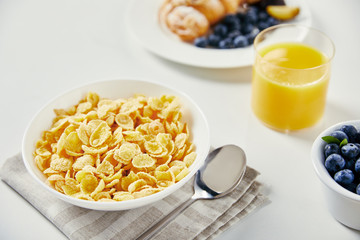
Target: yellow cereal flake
[
  {"x": 106, "y": 168},
  {"x": 182, "y": 174},
  {"x": 70, "y": 188},
  {"x": 112, "y": 183},
  {"x": 133, "y": 136},
  {"x": 164, "y": 184},
  {"x": 88, "y": 184},
  {"x": 180, "y": 140},
  {"x": 41, "y": 162},
  {"x": 82, "y": 161},
  {"x": 99, "y": 188},
  {"x": 84, "y": 107},
  {"x": 94, "y": 150},
  {"x": 116, "y": 150},
  {"x": 73, "y": 144},
  {"x": 145, "y": 192},
  {"x": 123, "y": 196},
  {"x": 92, "y": 98},
  {"x": 54, "y": 178},
  {"x": 153, "y": 147},
  {"x": 143, "y": 161},
  {"x": 189, "y": 159},
  {"x": 150, "y": 180},
  {"x": 164, "y": 175},
  {"x": 100, "y": 135},
  {"x": 126, "y": 152},
  {"x": 60, "y": 164},
  {"x": 83, "y": 134},
  {"x": 124, "y": 121},
  {"x": 116, "y": 176},
  {"x": 126, "y": 181},
  {"x": 102, "y": 197},
  {"x": 134, "y": 186},
  {"x": 156, "y": 127}
]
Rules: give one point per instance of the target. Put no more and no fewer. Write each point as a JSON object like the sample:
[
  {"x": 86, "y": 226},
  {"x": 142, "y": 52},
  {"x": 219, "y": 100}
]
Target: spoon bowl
[{"x": 221, "y": 173}]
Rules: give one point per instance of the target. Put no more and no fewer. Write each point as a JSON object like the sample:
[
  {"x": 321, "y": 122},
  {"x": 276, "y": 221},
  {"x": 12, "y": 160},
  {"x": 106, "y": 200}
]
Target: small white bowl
[
  {"x": 116, "y": 89},
  {"x": 343, "y": 205}
]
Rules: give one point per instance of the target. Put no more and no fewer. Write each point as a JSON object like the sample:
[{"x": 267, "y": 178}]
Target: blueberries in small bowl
[
  {"x": 340, "y": 182},
  {"x": 342, "y": 157}
]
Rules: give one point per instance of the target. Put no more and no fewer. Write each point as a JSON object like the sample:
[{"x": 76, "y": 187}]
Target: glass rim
[{"x": 284, "y": 25}]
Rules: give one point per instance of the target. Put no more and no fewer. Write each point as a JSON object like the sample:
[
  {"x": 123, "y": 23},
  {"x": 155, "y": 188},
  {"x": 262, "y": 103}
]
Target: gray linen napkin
[{"x": 205, "y": 219}]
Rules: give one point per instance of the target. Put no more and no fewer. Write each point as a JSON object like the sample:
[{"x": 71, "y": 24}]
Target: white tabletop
[{"x": 48, "y": 47}]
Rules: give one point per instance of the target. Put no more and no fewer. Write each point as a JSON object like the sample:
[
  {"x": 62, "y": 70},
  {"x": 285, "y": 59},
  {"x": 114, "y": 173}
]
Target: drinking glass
[{"x": 290, "y": 76}]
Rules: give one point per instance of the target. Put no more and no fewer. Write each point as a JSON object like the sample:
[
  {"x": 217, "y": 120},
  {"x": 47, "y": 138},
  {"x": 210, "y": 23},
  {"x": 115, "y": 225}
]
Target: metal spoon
[{"x": 222, "y": 172}]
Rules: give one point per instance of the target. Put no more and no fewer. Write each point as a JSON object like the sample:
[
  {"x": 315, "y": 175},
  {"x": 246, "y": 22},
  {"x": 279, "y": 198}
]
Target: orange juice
[{"x": 289, "y": 85}]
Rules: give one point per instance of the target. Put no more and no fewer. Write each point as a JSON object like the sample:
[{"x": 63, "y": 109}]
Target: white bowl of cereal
[{"x": 116, "y": 144}]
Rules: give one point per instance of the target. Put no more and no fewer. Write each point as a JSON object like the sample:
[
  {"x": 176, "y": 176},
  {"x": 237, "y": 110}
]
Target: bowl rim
[
  {"x": 318, "y": 162},
  {"x": 122, "y": 205}
]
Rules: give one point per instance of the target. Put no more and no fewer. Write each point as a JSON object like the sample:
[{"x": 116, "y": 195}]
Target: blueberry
[
  {"x": 240, "y": 41},
  {"x": 232, "y": 22},
  {"x": 339, "y": 135},
  {"x": 240, "y": 16},
  {"x": 263, "y": 25},
  {"x": 350, "y": 164},
  {"x": 263, "y": 16},
  {"x": 351, "y": 187},
  {"x": 358, "y": 189},
  {"x": 251, "y": 36},
  {"x": 357, "y": 166},
  {"x": 251, "y": 16},
  {"x": 272, "y": 21},
  {"x": 201, "y": 42},
  {"x": 350, "y": 131},
  {"x": 235, "y": 26},
  {"x": 247, "y": 28},
  {"x": 357, "y": 138},
  {"x": 350, "y": 150},
  {"x": 225, "y": 43},
  {"x": 233, "y": 34},
  {"x": 334, "y": 163},
  {"x": 214, "y": 40},
  {"x": 331, "y": 148},
  {"x": 344, "y": 177},
  {"x": 220, "y": 30},
  {"x": 230, "y": 19},
  {"x": 253, "y": 9}
]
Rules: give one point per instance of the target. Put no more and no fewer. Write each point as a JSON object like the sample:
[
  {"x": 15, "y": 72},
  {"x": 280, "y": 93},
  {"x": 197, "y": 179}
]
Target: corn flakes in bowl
[{"x": 116, "y": 145}]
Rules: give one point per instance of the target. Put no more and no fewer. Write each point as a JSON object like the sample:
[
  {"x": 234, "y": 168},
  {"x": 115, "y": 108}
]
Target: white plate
[{"x": 142, "y": 21}]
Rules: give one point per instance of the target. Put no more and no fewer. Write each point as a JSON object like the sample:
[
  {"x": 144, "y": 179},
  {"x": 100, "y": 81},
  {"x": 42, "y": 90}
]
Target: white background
[{"x": 48, "y": 47}]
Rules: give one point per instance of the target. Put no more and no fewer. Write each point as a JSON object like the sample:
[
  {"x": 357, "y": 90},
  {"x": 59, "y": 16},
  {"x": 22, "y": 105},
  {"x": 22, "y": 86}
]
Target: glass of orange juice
[{"x": 290, "y": 76}]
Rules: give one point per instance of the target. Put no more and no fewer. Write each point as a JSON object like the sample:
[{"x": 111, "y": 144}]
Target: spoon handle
[{"x": 149, "y": 233}]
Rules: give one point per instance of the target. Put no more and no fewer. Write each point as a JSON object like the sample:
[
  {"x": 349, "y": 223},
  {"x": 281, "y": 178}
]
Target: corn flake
[
  {"x": 88, "y": 184},
  {"x": 124, "y": 121},
  {"x": 143, "y": 161},
  {"x": 116, "y": 150}
]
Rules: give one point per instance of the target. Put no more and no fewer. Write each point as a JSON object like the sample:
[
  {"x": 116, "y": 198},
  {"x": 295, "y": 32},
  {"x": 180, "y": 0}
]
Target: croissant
[
  {"x": 187, "y": 22},
  {"x": 190, "y": 19}
]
